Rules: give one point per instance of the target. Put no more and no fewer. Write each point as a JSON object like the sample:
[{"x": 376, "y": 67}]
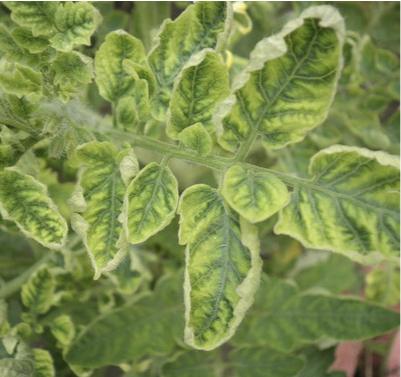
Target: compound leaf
[
  {"x": 342, "y": 209},
  {"x": 150, "y": 325},
  {"x": 288, "y": 85},
  {"x": 197, "y": 90},
  {"x": 36, "y": 15},
  {"x": 25, "y": 201},
  {"x": 196, "y": 138},
  {"x": 150, "y": 202},
  {"x": 264, "y": 362},
  {"x": 111, "y": 78},
  {"x": 97, "y": 203},
  {"x": 37, "y": 293},
  {"x": 202, "y": 25},
  {"x": 254, "y": 195},
  {"x": 75, "y": 22},
  {"x": 222, "y": 267},
  {"x": 283, "y": 317}
]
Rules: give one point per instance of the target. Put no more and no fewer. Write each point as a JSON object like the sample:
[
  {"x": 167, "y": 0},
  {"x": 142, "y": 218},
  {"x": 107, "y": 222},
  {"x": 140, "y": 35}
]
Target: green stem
[{"x": 14, "y": 285}]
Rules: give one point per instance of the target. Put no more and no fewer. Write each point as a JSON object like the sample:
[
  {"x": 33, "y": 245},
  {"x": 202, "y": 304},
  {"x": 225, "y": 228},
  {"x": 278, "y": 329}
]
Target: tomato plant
[{"x": 193, "y": 189}]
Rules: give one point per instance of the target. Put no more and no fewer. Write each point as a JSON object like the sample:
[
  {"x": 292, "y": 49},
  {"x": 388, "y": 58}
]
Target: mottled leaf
[
  {"x": 350, "y": 206},
  {"x": 36, "y": 15},
  {"x": 37, "y": 293},
  {"x": 197, "y": 90},
  {"x": 150, "y": 202},
  {"x": 148, "y": 326},
  {"x": 202, "y": 25},
  {"x": 222, "y": 267},
  {"x": 282, "y": 317},
  {"x": 254, "y": 195},
  {"x": 98, "y": 200},
  {"x": 25, "y": 201},
  {"x": 43, "y": 363},
  {"x": 63, "y": 329},
  {"x": 288, "y": 85},
  {"x": 23, "y": 80},
  {"x": 27, "y": 40},
  {"x": 75, "y": 24},
  {"x": 111, "y": 78},
  {"x": 22, "y": 365},
  {"x": 197, "y": 139}
]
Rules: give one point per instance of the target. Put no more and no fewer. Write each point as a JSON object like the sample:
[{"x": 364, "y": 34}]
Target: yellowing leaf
[
  {"x": 97, "y": 203},
  {"x": 111, "y": 78},
  {"x": 341, "y": 209},
  {"x": 196, "y": 138},
  {"x": 254, "y": 195},
  {"x": 288, "y": 85},
  {"x": 25, "y": 201},
  {"x": 222, "y": 267},
  {"x": 23, "y": 80},
  {"x": 197, "y": 90},
  {"x": 205, "y": 24},
  {"x": 75, "y": 22},
  {"x": 27, "y": 40},
  {"x": 43, "y": 363},
  {"x": 150, "y": 202}
]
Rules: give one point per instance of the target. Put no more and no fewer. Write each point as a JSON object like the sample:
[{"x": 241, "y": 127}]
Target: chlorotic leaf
[
  {"x": 150, "y": 202},
  {"x": 111, "y": 78},
  {"x": 63, "y": 329},
  {"x": 43, "y": 362},
  {"x": 27, "y": 40},
  {"x": 23, "y": 80},
  {"x": 254, "y": 195},
  {"x": 264, "y": 362},
  {"x": 197, "y": 139},
  {"x": 202, "y": 25},
  {"x": 222, "y": 267},
  {"x": 36, "y": 15},
  {"x": 283, "y": 317},
  {"x": 197, "y": 90},
  {"x": 25, "y": 201},
  {"x": 22, "y": 365},
  {"x": 75, "y": 22},
  {"x": 72, "y": 67},
  {"x": 37, "y": 293},
  {"x": 341, "y": 209},
  {"x": 140, "y": 72},
  {"x": 97, "y": 203},
  {"x": 13, "y": 51},
  {"x": 288, "y": 85},
  {"x": 151, "y": 325}
]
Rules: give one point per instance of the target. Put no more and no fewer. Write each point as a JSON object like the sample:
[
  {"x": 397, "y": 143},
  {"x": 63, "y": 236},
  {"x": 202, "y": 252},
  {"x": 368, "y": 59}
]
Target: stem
[
  {"x": 14, "y": 285},
  {"x": 246, "y": 147}
]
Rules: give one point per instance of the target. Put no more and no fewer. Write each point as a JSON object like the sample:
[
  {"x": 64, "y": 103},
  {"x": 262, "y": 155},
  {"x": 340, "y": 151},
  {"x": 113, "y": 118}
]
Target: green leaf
[
  {"x": 27, "y": 40},
  {"x": 288, "y": 85},
  {"x": 197, "y": 139},
  {"x": 140, "y": 72},
  {"x": 264, "y": 362},
  {"x": 254, "y": 195},
  {"x": 23, "y": 80},
  {"x": 75, "y": 23},
  {"x": 282, "y": 317},
  {"x": 191, "y": 364},
  {"x": 111, "y": 78},
  {"x": 63, "y": 329},
  {"x": 37, "y": 293},
  {"x": 36, "y": 15},
  {"x": 97, "y": 202},
  {"x": 351, "y": 205},
  {"x": 150, "y": 202},
  {"x": 197, "y": 90},
  {"x": 222, "y": 267},
  {"x": 43, "y": 363},
  {"x": 13, "y": 52},
  {"x": 317, "y": 361},
  {"x": 148, "y": 326},
  {"x": 25, "y": 201},
  {"x": 202, "y": 25},
  {"x": 383, "y": 285},
  {"x": 334, "y": 274}
]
